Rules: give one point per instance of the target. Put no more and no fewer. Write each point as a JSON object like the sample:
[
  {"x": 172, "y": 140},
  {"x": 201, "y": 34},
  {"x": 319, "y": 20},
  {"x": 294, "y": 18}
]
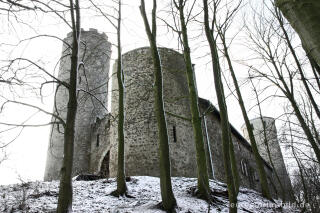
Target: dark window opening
[
  {"x": 80, "y": 79},
  {"x": 98, "y": 140},
  {"x": 252, "y": 126},
  {"x": 256, "y": 177},
  {"x": 244, "y": 167},
  {"x": 241, "y": 165},
  {"x": 107, "y": 126},
  {"x": 104, "y": 168},
  {"x": 251, "y": 174},
  {"x": 174, "y": 134}
]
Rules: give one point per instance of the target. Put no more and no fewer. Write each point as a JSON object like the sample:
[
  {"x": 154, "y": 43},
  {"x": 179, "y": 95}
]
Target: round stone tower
[
  {"x": 95, "y": 52},
  {"x": 271, "y": 145},
  {"x": 141, "y": 140}
]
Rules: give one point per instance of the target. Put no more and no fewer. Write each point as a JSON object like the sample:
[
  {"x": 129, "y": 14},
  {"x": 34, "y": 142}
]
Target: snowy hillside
[{"x": 93, "y": 196}]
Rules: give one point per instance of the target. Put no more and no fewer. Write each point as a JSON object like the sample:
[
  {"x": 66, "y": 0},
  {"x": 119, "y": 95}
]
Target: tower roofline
[
  {"x": 263, "y": 117},
  {"x": 258, "y": 118},
  {"x": 92, "y": 31},
  {"x": 147, "y": 47}
]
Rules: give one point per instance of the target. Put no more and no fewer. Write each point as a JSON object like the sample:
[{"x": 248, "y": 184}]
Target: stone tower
[
  {"x": 141, "y": 148},
  {"x": 96, "y": 136},
  {"x": 273, "y": 147},
  {"x": 95, "y": 52}
]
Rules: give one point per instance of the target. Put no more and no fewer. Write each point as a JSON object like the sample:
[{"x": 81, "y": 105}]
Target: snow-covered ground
[{"x": 94, "y": 196}]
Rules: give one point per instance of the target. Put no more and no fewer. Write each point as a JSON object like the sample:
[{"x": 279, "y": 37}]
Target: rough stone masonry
[{"x": 96, "y": 129}]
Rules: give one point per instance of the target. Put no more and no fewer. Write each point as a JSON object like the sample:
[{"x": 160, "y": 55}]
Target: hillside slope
[{"x": 93, "y": 196}]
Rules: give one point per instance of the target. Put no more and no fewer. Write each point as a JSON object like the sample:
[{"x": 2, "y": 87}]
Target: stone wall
[
  {"x": 244, "y": 157},
  {"x": 95, "y": 53},
  {"x": 141, "y": 140},
  {"x": 141, "y": 143},
  {"x": 273, "y": 147},
  {"x": 96, "y": 131},
  {"x": 100, "y": 144}
]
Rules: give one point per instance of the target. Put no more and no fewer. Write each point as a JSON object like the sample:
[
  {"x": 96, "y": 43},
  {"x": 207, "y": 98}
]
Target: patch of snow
[{"x": 94, "y": 197}]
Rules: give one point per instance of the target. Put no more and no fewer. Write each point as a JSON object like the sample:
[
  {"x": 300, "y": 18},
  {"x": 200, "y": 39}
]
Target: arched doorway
[{"x": 104, "y": 169}]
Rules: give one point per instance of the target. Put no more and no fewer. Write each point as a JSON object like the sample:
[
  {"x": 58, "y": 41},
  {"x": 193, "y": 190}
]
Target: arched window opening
[
  {"x": 104, "y": 169},
  {"x": 108, "y": 124},
  {"x": 239, "y": 148}
]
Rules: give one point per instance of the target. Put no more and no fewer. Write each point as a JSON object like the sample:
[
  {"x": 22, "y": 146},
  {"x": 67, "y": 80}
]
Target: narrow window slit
[
  {"x": 174, "y": 134},
  {"x": 98, "y": 140}
]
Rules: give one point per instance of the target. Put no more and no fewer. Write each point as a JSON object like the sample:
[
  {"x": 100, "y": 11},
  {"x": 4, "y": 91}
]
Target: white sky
[{"x": 27, "y": 154}]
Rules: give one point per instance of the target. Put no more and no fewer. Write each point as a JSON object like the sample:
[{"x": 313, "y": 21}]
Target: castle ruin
[{"x": 96, "y": 128}]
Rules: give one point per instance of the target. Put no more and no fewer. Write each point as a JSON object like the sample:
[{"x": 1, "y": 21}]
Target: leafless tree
[
  {"x": 19, "y": 65},
  {"x": 222, "y": 28},
  {"x": 203, "y": 178},
  {"x": 305, "y": 178},
  {"x": 279, "y": 64},
  {"x": 116, "y": 23},
  {"x": 168, "y": 200}
]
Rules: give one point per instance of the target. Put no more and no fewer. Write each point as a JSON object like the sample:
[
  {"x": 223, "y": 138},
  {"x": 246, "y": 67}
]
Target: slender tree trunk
[
  {"x": 290, "y": 96},
  {"x": 121, "y": 178},
  {"x": 305, "y": 191},
  {"x": 315, "y": 69},
  {"x": 314, "y": 129},
  {"x": 305, "y": 128},
  {"x": 228, "y": 157},
  {"x": 293, "y": 52},
  {"x": 233, "y": 162},
  {"x": 267, "y": 145},
  {"x": 258, "y": 158},
  {"x": 65, "y": 190},
  {"x": 168, "y": 199},
  {"x": 203, "y": 179}
]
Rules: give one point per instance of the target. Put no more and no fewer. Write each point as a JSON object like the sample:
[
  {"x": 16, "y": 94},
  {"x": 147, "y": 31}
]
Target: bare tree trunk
[
  {"x": 315, "y": 69},
  {"x": 305, "y": 192},
  {"x": 203, "y": 179},
  {"x": 121, "y": 178},
  {"x": 266, "y": 142},
  {"x": 305, "y": 128},
  {"x": 293, "y": 52},
  {"x": 284, "y": 83},
  {"x": 65, "y": 190},
  {"x": 301, "y": 120},
  {"x": 289, "y": 94},
  {"x": 168, "y": 199},
  {"x": 258, "y": 158},
  {"x": 228, "y": 157}
]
